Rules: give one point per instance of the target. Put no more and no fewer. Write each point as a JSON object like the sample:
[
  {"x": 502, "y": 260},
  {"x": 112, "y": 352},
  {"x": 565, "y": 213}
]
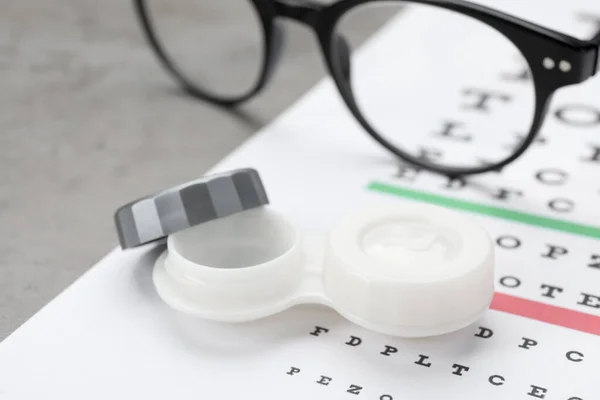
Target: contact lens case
[{"x": 411, "y": 270}]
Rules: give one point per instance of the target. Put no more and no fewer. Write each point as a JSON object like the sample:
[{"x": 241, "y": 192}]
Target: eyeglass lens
[
  {"x": 211, "y": 57},
  {"x": 454, "y": 90}
]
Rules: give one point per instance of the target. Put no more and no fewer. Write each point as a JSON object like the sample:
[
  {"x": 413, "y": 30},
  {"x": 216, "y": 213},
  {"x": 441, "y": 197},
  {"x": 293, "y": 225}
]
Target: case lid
[{"x": 213, "y": 196}]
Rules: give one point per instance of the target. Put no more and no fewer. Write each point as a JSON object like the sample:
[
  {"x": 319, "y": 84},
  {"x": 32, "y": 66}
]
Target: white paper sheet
[{"x": 110, "y": 336}]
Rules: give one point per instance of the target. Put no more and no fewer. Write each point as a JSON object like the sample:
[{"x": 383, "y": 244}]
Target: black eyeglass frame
[{"x": 535, "y": 43}]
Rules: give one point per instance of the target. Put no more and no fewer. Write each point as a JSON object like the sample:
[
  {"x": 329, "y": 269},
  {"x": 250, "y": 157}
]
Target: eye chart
[
  {"x": 542, "y": 337},
  {"x": 110, "y": 336}
]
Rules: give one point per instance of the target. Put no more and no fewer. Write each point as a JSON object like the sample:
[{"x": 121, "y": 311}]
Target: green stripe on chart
[{"x": 498, "y": 212}]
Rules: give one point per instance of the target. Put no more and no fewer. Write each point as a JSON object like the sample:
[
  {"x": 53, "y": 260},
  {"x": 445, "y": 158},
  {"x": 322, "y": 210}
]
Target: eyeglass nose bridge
[
  {"x": 336, "y": 49},
  {"x": 308, "y": 12},
  {"x": 305, "y": 12}
]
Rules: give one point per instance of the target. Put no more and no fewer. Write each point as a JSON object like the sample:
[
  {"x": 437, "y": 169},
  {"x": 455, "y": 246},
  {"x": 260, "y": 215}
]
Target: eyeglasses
[{"x": 493, "y": 74}]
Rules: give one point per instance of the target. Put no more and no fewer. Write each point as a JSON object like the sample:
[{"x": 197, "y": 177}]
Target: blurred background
[{"x": 89, "y": 120}]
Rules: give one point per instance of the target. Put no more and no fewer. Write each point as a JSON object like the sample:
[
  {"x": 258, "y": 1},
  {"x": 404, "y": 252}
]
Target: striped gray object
[{"x": 214, "y": 196}]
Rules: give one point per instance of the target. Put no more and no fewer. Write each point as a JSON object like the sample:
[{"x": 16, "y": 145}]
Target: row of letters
[
  {"x": 549, "y": 252},
  {"x": 574, "y": 115},
  {"x": 535, "y": 391},
  {"x": 455, "y": 369},
  {"x": 546, "y": 176},
  {"x": 482, "y": 333},
  {"x": 551, "y": 291}
]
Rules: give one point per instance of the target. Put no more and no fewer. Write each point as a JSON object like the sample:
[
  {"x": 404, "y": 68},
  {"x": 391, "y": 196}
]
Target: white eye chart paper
[{"x": 110, "y": 336}]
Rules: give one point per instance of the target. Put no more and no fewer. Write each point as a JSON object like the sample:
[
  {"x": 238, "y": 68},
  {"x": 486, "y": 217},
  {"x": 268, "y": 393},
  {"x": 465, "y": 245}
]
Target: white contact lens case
[{"x": 413, "y": 270}]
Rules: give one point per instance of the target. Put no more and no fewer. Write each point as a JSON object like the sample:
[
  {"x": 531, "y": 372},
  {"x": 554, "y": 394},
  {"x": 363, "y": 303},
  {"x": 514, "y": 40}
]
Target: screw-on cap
[{"x": 215, "y": 196}]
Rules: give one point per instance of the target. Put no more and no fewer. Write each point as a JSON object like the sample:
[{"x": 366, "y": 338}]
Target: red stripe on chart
[{"x": 546, "y": 313}]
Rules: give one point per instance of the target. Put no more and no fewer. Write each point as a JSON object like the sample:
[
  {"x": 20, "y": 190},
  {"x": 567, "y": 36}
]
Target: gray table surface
[{"x": 89, "y": 121}]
